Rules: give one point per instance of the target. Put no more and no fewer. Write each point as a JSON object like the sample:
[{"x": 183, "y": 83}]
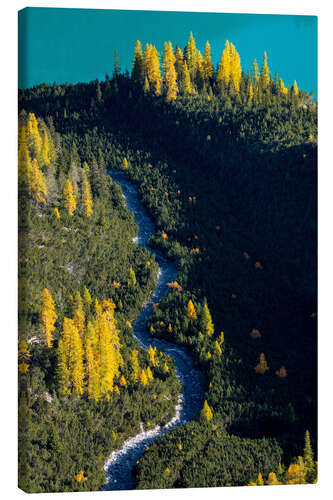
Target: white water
[{"x": 119, "y": 465}]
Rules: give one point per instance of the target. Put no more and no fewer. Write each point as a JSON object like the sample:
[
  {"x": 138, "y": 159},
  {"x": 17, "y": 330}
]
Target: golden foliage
[
  {"x": 191, "y": 313},
  {"x": 262, "y": 366},
  {"x": 48, "y": 316}
]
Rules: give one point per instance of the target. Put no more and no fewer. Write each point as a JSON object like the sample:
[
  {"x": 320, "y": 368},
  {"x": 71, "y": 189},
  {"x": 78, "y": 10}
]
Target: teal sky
[{"x": 72, "y": 45}]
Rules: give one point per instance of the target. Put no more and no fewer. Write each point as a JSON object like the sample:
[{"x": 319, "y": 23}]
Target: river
[{"x": 119, "y": 465}]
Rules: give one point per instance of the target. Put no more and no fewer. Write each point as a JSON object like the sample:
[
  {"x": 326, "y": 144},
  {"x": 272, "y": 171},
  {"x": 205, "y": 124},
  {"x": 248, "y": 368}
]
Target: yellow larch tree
[
  {"x": 191, "y": 55},
  {"x": 152, "y": 352},
  {"x": 144, "y": 378},
  {"x": 63, "y": 374},
  {"x": 264, "y": 75},
  {"x": 262, "y": 365},
  {"x": 171, "y": 83},
  {"x": 272, "y": 480},
  {"x": 187, "y": 87},
  {"x": 46, "y": 157},
  {"x": 87, "y": 198},
  {"x": 23, "y": 357},
  {"x": 135, "y": 366},
  {"x": 37, "y": 182},
  {"x": 48, "y": 316},
  {"x": 131, "y": 278},
  {"x": 206, "y": 323},
  {"x": 109, "y": 347},
  {"x": 179, "y": 62},
  {"x": 123, "y": 381},
  {"x": 69, "y": 198},
  {"x": 235, "y": 68},
  {"x": 92, "y": 371},
  {"x": 149, "y": 374},
  {"x": 224, "y": 70},
  {"x": 255, "y": 72},
  {"x": 152, "y": 68},
  {"x": 283, "y": 90},
  {"x": 138, "y": 64},
  {"x": 207, "y": 65},
  {"x": 191, "y": 313},
  {"x": 206, "y": 412},
  {"x": 295, "y": 88},
  {"x": 34, "y": 140},
  {"x": 76, "y": 366}
]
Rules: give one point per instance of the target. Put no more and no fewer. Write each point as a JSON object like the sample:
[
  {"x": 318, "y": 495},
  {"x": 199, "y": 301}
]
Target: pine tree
[
  {"x": 69, "y": 198},
  {"x": 191, "y": 313},
  {"x": 309, "y": 465},
  {"x": 206, "y": 323},
  {"x": 116, "y": 65},
  {"x": 138, "y": 64},
  {"x": 235, "y": 68},
  {"x": 48, "y": 316},
  {"x": 206, "y": 412}
]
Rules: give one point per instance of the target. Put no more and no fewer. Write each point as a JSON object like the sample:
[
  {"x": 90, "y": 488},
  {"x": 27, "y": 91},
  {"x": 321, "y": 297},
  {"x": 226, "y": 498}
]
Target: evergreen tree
[
  {"x": 116, "y": 65},
  {"x": 309, "y": 465},
  {"x": 138, "y": 64}
]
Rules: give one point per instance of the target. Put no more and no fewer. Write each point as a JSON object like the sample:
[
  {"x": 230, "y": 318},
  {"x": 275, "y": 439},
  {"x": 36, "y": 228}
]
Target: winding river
[{"x": 119, "y": 465}]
